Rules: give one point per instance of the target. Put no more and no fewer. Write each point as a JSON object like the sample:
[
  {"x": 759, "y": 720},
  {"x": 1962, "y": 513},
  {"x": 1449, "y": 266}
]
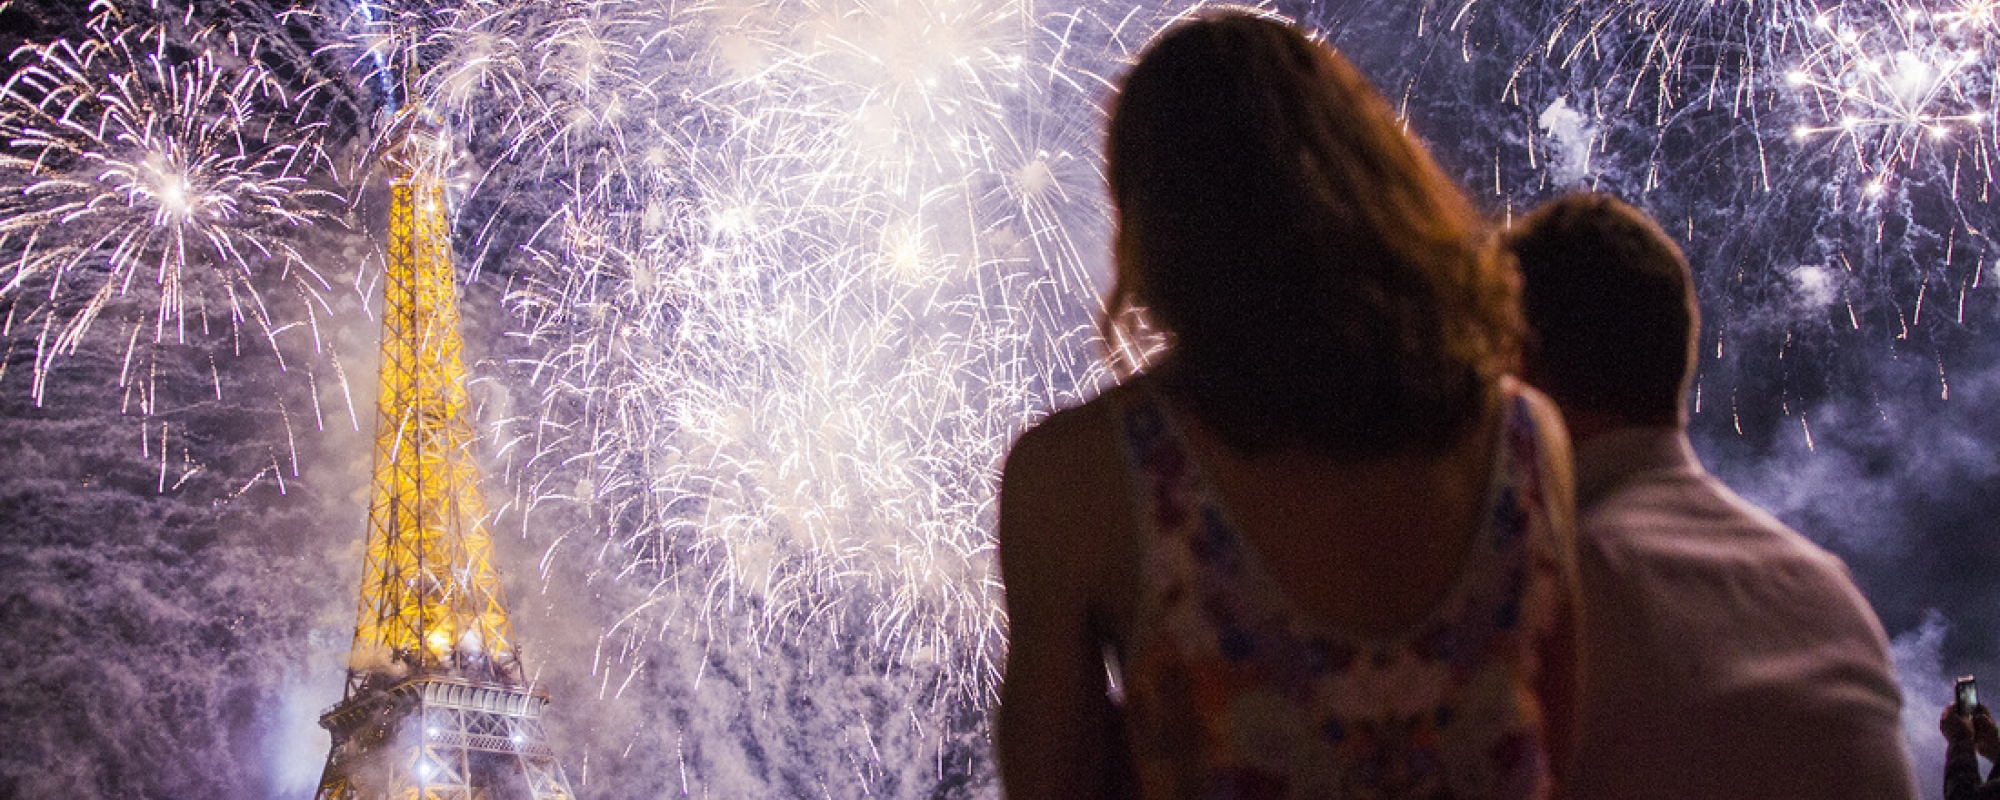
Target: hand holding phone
[{"x": 1968, "y": 695}]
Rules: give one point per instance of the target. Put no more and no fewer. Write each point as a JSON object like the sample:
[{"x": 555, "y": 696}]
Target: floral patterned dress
[{"x": 1231, "y": 693}]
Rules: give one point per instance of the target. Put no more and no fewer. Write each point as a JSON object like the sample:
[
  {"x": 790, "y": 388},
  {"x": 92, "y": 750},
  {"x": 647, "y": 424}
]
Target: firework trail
[
  {"x": 1886, "y": 85},
  {"x": 1677, "y": 49},
  {"x": 161, "y": 173}
]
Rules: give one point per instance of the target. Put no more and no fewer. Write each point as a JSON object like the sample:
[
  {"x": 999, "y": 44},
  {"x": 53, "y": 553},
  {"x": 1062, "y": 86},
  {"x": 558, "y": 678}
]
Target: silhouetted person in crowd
[
  {"x": 1324, "y": 536},
  {"x": 1965, "y": 739},
  {"x": 1724, "y": 655}
]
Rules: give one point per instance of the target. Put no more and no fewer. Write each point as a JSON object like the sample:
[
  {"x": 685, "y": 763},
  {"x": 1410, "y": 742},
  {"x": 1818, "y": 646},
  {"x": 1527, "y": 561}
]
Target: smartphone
[{"x": 1968, "y": 695}]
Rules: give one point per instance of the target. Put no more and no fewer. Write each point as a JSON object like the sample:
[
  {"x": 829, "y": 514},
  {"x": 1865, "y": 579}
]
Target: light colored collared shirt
[{"x": 1725, "y": 656}]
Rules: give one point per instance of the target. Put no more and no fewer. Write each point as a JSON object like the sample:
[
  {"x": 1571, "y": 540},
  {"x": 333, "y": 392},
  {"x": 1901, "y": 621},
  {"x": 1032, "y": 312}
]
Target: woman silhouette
[{"x": 1320, "y": 547}]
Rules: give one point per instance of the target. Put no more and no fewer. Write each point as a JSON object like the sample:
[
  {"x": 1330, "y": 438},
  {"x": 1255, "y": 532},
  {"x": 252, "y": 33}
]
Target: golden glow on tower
[
  {"x": 430, "y": 598},
  {"x": 436, "y": 707}
]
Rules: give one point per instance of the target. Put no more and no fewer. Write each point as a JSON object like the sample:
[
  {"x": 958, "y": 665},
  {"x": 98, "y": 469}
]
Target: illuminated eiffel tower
[{"x": 436, "y": 706}]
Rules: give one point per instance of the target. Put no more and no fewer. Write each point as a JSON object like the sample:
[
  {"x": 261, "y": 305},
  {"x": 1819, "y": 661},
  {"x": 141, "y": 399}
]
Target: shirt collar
[{"x": 1609, "y": 459}]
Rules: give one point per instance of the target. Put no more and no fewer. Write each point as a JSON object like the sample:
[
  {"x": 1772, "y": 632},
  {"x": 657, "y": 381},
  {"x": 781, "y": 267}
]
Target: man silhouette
[{"x": 1724, "y": 655}]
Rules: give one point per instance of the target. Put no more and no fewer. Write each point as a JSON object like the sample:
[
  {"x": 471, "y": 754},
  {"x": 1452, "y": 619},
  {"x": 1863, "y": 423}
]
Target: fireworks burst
[
  {"x": 1665, "y": 51},
  {"x": 1892, "y": 82},
  {"x": 1888, "y": 83},
  {"x": 780, "y": 373},
  {"x": 160, "y": 164},
  {"x": 1827, "y": 165}
]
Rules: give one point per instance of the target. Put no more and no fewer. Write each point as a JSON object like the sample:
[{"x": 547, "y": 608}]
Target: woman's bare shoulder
[
  {"x": 1081, "y": 437},
  {"x": 1065, "y": 477}
]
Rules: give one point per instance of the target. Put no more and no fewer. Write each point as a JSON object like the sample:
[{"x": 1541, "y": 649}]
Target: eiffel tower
[{"x": 436, "y": 705}]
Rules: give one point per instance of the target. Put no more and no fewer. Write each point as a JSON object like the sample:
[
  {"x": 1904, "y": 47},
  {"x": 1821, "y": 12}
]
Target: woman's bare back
[{"x": 1369, "y": 548}]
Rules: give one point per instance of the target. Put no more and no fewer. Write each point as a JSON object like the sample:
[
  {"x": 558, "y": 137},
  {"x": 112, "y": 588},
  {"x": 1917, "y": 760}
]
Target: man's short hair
[{"x": 1610, "y": 308}]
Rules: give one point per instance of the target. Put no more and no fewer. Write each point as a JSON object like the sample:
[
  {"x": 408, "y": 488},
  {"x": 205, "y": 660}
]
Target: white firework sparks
[
  {"x": 559, "y": 81},
  {"x": 1864, "y": 129},
  {"x": 159, "y": 167},
  {"x": 1668, "y": 51},
  {"x": 782, "y": 375},
  {"x": 790, "y": 277},
  {"x": 1893, "y": 81}
]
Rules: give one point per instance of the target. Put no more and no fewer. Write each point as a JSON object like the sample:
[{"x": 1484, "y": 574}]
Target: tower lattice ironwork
[{"x": 436, "y": 705}]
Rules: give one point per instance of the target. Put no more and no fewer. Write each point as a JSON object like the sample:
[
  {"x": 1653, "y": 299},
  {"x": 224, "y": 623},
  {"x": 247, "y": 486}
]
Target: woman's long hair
[{"x": 1321, "y": 282}]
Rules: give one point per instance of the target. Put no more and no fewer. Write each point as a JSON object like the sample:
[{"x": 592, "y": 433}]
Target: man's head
[{"x": 1610, "y": 309}]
